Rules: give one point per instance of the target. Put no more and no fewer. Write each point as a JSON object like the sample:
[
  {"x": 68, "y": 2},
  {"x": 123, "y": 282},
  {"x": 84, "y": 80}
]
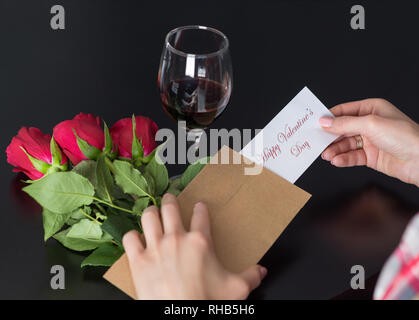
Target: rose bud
[
  {"x": 35, "y": 154},
  {"x": 82, "y": 138},
  {"x": 135, "y": 147}
]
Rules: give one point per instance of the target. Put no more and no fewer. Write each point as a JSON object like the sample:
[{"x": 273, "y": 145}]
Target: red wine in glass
[{"x": 197, "y": 101}]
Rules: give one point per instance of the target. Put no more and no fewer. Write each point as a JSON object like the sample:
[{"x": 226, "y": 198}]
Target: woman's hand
[
  {"x": 177, "y": 264},
  {"x": 390, "y": 138}
]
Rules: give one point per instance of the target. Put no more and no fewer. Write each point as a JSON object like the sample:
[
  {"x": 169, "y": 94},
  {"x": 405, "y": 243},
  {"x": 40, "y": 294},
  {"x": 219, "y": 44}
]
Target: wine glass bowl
[{"x": 195, "y": 75}]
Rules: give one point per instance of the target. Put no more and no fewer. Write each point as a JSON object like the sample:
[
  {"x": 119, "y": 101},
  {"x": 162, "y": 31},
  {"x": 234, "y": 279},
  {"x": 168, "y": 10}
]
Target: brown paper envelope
[{"x": 247, "y": 213}]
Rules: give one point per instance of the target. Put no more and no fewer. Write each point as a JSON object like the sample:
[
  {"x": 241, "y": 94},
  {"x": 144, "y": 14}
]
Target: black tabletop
[{"x": 106, "y": 61}]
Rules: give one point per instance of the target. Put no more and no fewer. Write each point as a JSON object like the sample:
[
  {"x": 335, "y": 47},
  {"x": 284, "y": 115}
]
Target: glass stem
[{"x": 195, "y": 135}]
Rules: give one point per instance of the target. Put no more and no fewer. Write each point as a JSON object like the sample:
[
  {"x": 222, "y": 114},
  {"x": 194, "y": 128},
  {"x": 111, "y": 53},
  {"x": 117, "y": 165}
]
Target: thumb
[
  {"x": 253, "y": 276},
  {"x": 350, "y": 126}
]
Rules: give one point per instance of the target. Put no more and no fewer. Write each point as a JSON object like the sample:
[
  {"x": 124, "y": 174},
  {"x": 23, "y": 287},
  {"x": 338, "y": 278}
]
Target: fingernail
[
  {"x": 167, "y": 195},
  {"x": 199, "y": 204},
  {"x": 326, "y": 122},
  {"x": 263, "y": 272},
  {"x": 325, "y": 156},
  {"x": 150, "y": 208}
]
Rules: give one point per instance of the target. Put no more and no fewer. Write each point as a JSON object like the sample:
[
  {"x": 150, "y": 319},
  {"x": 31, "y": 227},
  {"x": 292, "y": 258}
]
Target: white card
[{"x": 290, "y": 143}]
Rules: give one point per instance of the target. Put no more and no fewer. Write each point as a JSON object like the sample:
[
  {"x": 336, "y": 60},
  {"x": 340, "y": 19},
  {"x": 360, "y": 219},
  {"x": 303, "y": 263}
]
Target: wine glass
[{"x": 195, "y": 77}]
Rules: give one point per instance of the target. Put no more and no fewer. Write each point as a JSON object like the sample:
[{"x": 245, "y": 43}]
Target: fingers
[
  {"x": 170, "y": 213},
  {"x": 350, "y": 159},
  {"x": 171, "y": 220},
  {"x": 345, "y": 153},
  {"x": 200, "y": 219},
  {"x": 151, "y": 224},
  {"x": 253, "y": 276},
  {"x": 132, "y": 244},
  {"x": 348, "y": 109},
  {"x": 365, "y": 107},
  {"x": 344, "y": 145},
  {"x": 351, "y": 126}
]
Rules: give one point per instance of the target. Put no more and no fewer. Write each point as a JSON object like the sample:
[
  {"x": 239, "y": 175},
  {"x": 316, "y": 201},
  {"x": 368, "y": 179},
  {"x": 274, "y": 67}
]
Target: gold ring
[{"x": 359, "y": 142}]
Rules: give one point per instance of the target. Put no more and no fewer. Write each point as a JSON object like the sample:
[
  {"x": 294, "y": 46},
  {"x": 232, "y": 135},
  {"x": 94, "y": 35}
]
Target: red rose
[
  {"x": 87, "y": 127},
  {"x": 145, "y": 130},
  {"x": 30, "y": 152}
]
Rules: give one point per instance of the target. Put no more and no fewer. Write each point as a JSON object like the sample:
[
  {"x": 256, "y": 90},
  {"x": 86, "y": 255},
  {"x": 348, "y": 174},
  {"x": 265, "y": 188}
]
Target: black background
[{"x": 106, "y": 62}]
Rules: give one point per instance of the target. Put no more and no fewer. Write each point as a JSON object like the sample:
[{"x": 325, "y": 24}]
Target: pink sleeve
[{"x": 399, "y": 279}]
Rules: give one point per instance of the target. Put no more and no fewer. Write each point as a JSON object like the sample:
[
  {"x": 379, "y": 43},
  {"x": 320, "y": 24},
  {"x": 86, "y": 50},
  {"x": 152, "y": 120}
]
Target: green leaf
[
  {"x": 125, "y": 203},
  {"x": 140, "y": 205},
  {"x": 151, "y": 184},
  {"x": 130, "y": 179},
  {"x": 89, "y": 151},
  {"x": 85, "y": 229},
  {"x": 175, "y": 187},
  {"x": 105, "y": 183},
  {"x": 137, "y": 148},
  {"x": 55, "y": 153},
  {"x": 112, "y": 155},
  {"x": 108, "y": 139},
  {"x": 62, "y": 192},
  {"x": 105, "y": 255},
  {"x": 39, "y": 165},
  {"x": 150, "y": 156},
  {"x": 70, "y": 221},
  {"x": 80, "y": 244},
  {"x": 87, "y": 169},
  {"x": 159, "y": 172},
  {"x": 117, "y": 225},
  {"x": 53, "y": 222},
  {"x": 119, "y": 194},
  {"x": 192, "y": 171},
  {"x": 158, "y": 202},
  {"x": 80, "y": 213}
]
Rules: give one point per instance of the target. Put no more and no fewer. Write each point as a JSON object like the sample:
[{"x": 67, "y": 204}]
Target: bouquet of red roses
[{"x": 92, "y": 182}]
